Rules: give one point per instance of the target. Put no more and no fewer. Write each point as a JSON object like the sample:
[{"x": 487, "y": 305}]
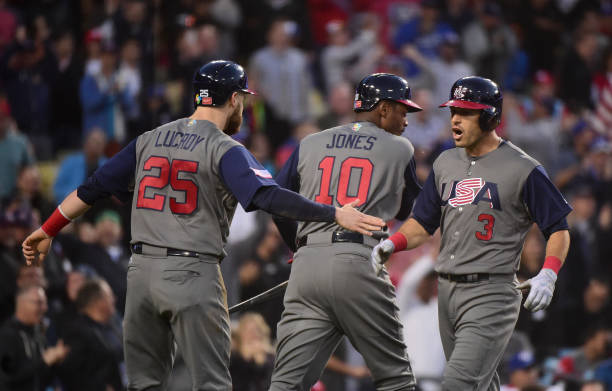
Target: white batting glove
[
  {"x": 380, "y": 254},
  {"x": 542, "y": 288}
]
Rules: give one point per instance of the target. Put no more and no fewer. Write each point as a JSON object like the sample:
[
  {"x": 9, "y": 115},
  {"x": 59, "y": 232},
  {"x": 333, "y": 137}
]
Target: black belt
[
  {"x": 474, "y": 277},
  {"x": 137, "y": 249},
  {"x": 337, "y": 237}
]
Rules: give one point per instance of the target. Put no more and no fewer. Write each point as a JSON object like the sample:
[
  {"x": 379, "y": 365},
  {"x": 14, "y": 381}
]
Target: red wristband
[
  {"x": 553, "y": 263},
  {"x": 55, "y": 223},
  {"x": 399, "y": 241}
]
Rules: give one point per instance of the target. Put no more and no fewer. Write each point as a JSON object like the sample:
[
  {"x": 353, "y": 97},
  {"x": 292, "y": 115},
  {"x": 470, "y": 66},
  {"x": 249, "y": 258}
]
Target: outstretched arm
[
  {"x": 36, "y": 246},
  {"x": 113, "y": 177},
  {"x": 254, "y": 188}
]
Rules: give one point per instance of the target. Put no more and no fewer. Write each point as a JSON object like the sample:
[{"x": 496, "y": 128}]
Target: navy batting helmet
[
  {"x": 475, "y": 92},
  {"x": 382, "y": 86},
  {"x": 215, "y": 82}
]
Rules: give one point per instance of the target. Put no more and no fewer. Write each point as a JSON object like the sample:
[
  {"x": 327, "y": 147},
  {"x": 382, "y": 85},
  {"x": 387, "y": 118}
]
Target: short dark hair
[{"x": 89, "y": 293}]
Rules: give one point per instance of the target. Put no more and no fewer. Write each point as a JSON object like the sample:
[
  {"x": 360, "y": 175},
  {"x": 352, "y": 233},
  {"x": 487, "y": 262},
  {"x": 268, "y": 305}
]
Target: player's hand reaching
[
  {"x": 380, "y": 254},
  {"x": 352, "y": 219},
  {"x": 542, "y": 288},
  {"x": 36, "y": 246}
]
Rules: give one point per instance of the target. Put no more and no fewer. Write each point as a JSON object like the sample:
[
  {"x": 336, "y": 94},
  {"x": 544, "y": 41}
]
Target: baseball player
[
  {"x": 333, "y": 289},
  {"x": 188, "y": 176},
  {"x": 484, "y": 195}
]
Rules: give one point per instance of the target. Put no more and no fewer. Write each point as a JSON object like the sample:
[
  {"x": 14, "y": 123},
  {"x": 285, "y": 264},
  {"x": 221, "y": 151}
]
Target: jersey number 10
[
  {"x": 168, "y": 173},
  {"x": 327, "y": 165}
]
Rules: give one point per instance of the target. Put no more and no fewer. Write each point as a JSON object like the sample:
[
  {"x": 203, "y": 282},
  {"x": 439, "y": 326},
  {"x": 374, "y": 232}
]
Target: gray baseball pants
[
  {"x": 476, "y": 322},
  {"x": 176, "y": 301},
  {"x": 334, "y": 291}
]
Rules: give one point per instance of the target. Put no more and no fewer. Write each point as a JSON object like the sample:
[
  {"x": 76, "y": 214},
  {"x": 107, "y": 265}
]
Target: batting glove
[
  {"x": 380, "y": 254},
  {"x": 542, "y": 288}
]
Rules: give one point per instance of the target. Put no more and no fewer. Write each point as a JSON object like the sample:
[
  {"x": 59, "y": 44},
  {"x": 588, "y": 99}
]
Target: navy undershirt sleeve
[
  {"x": 411, "y": 191},
  {"x": 243, "y": 175},
  {"x": 289, "y": 178},
  {"x": 428, "y": 206},
  {"x": 115, "y": 177},
  {"x": 546, "y": 205}
]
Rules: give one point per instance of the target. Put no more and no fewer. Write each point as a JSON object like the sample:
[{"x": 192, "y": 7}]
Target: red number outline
[{"x": 488, "y": 227}]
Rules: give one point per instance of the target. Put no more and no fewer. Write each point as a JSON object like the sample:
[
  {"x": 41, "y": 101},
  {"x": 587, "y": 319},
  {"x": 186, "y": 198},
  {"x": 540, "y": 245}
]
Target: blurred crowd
[{"x": 80, "y": 79}]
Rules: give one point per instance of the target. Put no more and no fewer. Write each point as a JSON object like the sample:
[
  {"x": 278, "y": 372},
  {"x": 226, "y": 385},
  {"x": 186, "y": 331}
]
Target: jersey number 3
[
  {"x": 168, "y": 173},
  {"x": 488, "y": 227},
  {"x": 327, "y": 165}
]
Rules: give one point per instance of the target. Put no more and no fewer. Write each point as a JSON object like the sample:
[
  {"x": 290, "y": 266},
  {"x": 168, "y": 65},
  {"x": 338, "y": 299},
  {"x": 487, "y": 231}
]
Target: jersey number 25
[
  {"x": 326, "y": 167},
  {"x": 168, "y": 173}
]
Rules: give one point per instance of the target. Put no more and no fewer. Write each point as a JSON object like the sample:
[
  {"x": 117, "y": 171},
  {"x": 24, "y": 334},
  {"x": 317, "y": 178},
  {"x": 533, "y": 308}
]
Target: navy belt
[
  {"x": 137, "y": 249},
  {"x": 336, "y": 237},
  {"x": 474, "y": 277}
]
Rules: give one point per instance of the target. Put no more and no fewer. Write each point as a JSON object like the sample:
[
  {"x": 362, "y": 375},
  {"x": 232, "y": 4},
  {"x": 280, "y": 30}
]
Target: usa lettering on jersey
[{"x": 472, "y": 191}]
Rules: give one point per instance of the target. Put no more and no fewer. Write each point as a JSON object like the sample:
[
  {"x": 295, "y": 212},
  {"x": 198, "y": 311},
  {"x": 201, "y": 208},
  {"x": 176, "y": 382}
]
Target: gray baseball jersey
[
  {"x": 333, "y": 289},
  {"x": 177, "y": 174},
  {"x": 484, "y": 207},
  {"x": 189, "y": 176},
  {"x": 355, "y": 161}
]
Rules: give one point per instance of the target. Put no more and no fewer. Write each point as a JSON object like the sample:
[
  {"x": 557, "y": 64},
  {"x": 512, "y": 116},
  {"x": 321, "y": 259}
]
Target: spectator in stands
[
  {"x": 95, "y": 339},
  {"x": 108, "y": 235},
  {"x": 603, "y": 89},
  {"x": 425, "y": 128},
  {"x": 263, "y": 269},
  {"x": 28, "y": 192},
  {"x": 14, "y": 223},
  {"x": 417, "y": 299},
  {"x": 77, "y": 167},
  {"x": 348, "y": 56},
  {"x": 536, "y": 131},
  {"x": 458, "y": 14},
  {"x": 259, "y": 145},
  {"x": 572, "y": 160},
  {"x": 106, "y": 256},
  {"x": 252, "y": 358},
  {"x": 447, "y": 67},
  {"x": 339, "y": 105},
  {"x": 8, "y": 22},
  {"x": 425, "y": 32},
  {"x": 488, "y": 43},
  {"x": 286, "y": 149},
  {"x": 26, "y": 363},
  {"x": 593, "y": 385},
  {"x": 283, "y": 80},
  {"x": 129, "y": 76},
  {"x": 64, "y": 95},
  {"x": 64, "y": 310},
  {"x": 523, "y": 372},
  {"x": 93, "y": 49},
  {"x": 27, "y": 70},
  {"x": 542, "y": 23},
  {"x": 104, "y": 100},
  {"x": 580, "y": 364},
  {"x": 14, "y": 151},
  {"x": 576, "y": 72}
]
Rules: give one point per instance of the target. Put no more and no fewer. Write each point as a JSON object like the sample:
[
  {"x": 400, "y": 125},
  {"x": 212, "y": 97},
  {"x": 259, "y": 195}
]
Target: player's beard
[{"x": 234, "y": 122}]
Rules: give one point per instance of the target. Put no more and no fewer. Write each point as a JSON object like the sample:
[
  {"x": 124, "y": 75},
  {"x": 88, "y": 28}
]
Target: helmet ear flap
[{"x": 489, "y": 119}]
